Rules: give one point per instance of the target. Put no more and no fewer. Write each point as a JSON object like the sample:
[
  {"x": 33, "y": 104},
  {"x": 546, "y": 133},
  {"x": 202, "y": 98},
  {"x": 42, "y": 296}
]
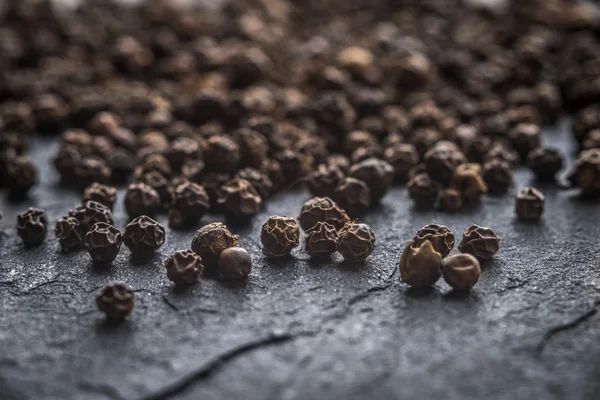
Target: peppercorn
[
  {"x": 353, "y": 196},
  {"x": 193, "y": 170},
  {"x": 321, "y": 240},
  {"x": 294, "y": 164},
  {"x": 279, "y": 235},
  {"x": 423, "y": 190},
  {"x": 103, "y": 123},
  {"x": 90, "y": 213},
  {"x": 184, "y": 267},
  {"x": 235, "y": 263},
  {"x": 481, "y": 242},
  {"x": 21, "y": 175},
  {"x": 585, "y": 121},
  {"x": 181, "y": 150},
  {"x": 91, "y": 169},
  {"x": 254, "y": 147},
  {"x": 189, "y": 203},
  {"x": 240, "y": 198},
  {"x": 585, "y": 173},
  {"x": 322, "y": 209},
  {"x": 103, "y": 242},
  {"x": 66, "y": 159},
  {"x": 498, "y": 176},
  {"x": 141, "y": 199},
  {"x": 324, "y": 179},
  {"x": 222, "y": 154},
  {"x": 151, "y": 163},
  {"x": 450, "y": 200},
  {"x": 68, "y": 232},
  {"x": 105, "y": 195},
  {"x": 210, "y": 240},
  {"x": 477, "y": 148},
  {"x": 500, "y": 151},
  {"x": 32, "y": 226},
  {"x": 259, "y": 180},
  {"x": 441, "y": 162},
  {"x": 115, "y": 301},
  {"x": 377, "y": 174},
  {"x": 144, "y": 236},
  {"x": 340, "y": 161},
  {"x": 468, "y": 181},
  {"x": 441, "y": 238},
  {"x": 525, "y": 138},
  {"x": 592, "y": 140},
  {"x": 461, "y": 271},
  {"x": 545, "y": 162},
  {"x": 122, "y": 164},
  {"x": 273, "y": 170},
  {"x": 424, "y": 139},
  {"x": 402, "y": 157},
  {"x": 160, "y": 184},
  {"x": 529, "y": 204},
  {"x": 420, "y": 267},
  {"x": 356, "y": 242}
]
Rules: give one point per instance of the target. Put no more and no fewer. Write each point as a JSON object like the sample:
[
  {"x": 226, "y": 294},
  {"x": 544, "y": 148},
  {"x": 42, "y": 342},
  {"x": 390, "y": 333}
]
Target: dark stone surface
[{"x": 298, "y": 330}]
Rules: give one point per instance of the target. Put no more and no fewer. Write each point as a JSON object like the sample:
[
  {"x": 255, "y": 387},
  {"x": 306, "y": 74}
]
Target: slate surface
[{"x": 298, "y": 330}]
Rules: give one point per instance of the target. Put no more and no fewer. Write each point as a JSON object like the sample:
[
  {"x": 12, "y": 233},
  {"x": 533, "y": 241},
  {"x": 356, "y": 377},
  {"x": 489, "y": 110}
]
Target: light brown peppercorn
[
  {"x": 235, "y": 263},
  {"x": 105, "y": 195},
  {"x": 141, "y": 199},
  {"x": 184, "y": 267},
  {"x": 322, "y": 209},
  {"x": 103, "y": 242},
  {"x": 210, "y": 240},
  {"x": 585, "y": 173},
  {"x": 450, "y": 200},
  {"x": 240, "y": 198},
  {"x": 321, "y": 240},
  {"x": 468, "y": 181},
  {"x": 441, "y": 238},
  {"x": 115, "y": 301},
  {"x": 420, "y": 267},
  {"x": 279, "y": 235},
  {"x": 356, "y": 242},
  {"x": 353, "y": 196},
  {"x": 461, "y": 271},
  {"x": 481, "y": 242},
  {"x": 529, "y": 204}
]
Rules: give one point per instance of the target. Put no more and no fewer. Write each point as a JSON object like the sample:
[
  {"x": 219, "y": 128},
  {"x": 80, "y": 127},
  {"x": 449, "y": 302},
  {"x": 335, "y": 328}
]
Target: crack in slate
[
  {"x": 170, "y": 304},
  {"x": 103, "y": 389},
  {"x": 361, "y": 296},
  {"x": 212, "y": 366}
]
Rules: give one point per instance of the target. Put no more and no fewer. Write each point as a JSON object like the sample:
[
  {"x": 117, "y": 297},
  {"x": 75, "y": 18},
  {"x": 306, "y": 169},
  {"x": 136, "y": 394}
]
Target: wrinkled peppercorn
[
  {"x": 353, "y": 196},
  {"x": 103, "y": 242},
  {"x": 468, "y": 181},
  {"x": 20, "y": 175},
  {"x": 32, "y": 226},
  {"x": 184, "y": 267},
  {"x": 141, "y": 199},
  {"x": 498, "y": 176},
  {"x": 356, "y": 242},
  {"x": 441, "y": 161},
  {"x": 525, "y": 138},
  {"x": 90, "y": 213},
  {"x": 222, "y": 154},
  {"x": 115, "y": 301},
  {"x": 153, "y": 163},
  {"x": 585, "y": 173},
  {"x": 105, "y": 195},
  {"x": 235, "y": 263},
  {"x": 240, "y": 198},
  {"x": 377, "y": 174},
  {"x": 279, "y": 235},
  {"x": 144, "y": 236},
  {"x": 259, "y": 180},
  {"x": 480, "y": 242},
  {"x": 545, "y": 162},
  {"x": 181, "y": 150},
  {"x": 321, "y": 240},
  {"x": 189, "y": 203},
  {"x": 441, "y": 238},
  {"x": 500, "y": 151},
  {"x": 324, "y": 179},
  {"x": 450, "y": 200},
  {"x": 402, "y": 157},
  {"x": 529, "y": 204},
  {"x": 91, "y": 169},
  {"x": 68, "y": 232},
  {"x": 210, "y": 240},
  {"x": 158, "y": 182},
  {"x": 461, "y": 271},
  {"x": 423, "y": 190},
  {"x": 322, "y": 209},
  {"x": 420, "y": 267}
]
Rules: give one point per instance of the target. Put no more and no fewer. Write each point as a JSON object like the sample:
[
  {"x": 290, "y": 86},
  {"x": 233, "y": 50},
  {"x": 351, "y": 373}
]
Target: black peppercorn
[
  {"x": 585, "y": 173},
  {"x": 525, "y": 138},
  {"x": 103, "y": 123},
  {"x": 356, "y": 242},
  {"x": 141, "y": 199},
  {"x": 189, "y": 203},
  {"x": 144, "y": 236},
  {"x": 122, "y": 164},
  {"x": 498, "y": 176},
  {"x": 21, "y": 175},
  {"x": 235, "y": 263},
  {"x": 500, "y": 151},
  {"x": 322, "y": 209},
  {"x": 32, "y": 226},
  {"x": 254, "y": 147},
  {"x": 240, "y": 198},
  {"x": 441, "y": 161},
  {"x": 420, "y": 267},
  {"x": 468, "y": 181},
  {"x": 181, "y": 150},
  {"x": 161, "y": 184},
  {"x": 153, "y": 163},
  {"x": 103, "y": 242},
  {"x": 441, "y": 238},
  {"x": 461, "y": 271},
  {"x": 294, "y": 164},
  {"x": 529, "y": 204},
  {"x": 184, "y": 267},
  {"x": 105, "y": 195},
  {"x": 324, "y": 179},
  {"x": 115, "y": 301},
  {"x": 481, "y": 242},
  {"x": 402, "y": 157},
  {"x": 68, "y": 232},
  {"x": 450, "y": 200},
  {"x": 259, "y": 180},
  {"x": 279, "y": 235},
  {"x": 91, "y": 169},
  {"x": 210, "y": 240},
  {"x": 222, "y": 154},
  {"x": 353, "y": 196},
  {"x": 423, "y": 190},
  {"x": 545, "y": 162},
  {"x": 321, "y": 240},
  {"x": 377, "y": 174},
  {"x": 90, "y": 213},
  {"x": 193, "y": 170}
]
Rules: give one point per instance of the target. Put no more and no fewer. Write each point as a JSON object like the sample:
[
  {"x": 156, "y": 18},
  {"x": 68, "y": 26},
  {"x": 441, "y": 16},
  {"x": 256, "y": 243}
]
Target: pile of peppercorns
[{"x": 204, "y": 111}]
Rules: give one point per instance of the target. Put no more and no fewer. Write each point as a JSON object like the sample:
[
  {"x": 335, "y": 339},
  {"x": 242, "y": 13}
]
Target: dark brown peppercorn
[
  {"x": 144, "y": 236},
  {"x": 184, "y": 267},
  {"x": 525, "y": 138},
  {"x": 498, "y": 176},
  {"x": 103, "y": 242},
  {"x": 468, "y": 181},
  {"x": 592, "y": 140},
  {"x": 68, "y": 232},
  {"x": 321, "y": 240},
  {"x": 340, "y": 161},
  {"x": 160, "y": 183},
  {"x": 441, "y": 238},
  {"x": 294, "y": 164},
  {"x": 279, "y": 235},
  {"x": 450, "y": 200},
  {"x": 32, "y": 226},
  {"x": 402, "y": 157},
  {"x": 322, "y": 209},
  {"x": 90, "y": 213},
  {"x": 115, "y": 301},
  {"x": 441, "y": 161},
  {"x": 501, "y": 152},
  {"x": 377, "y": 174},
  {"x": 423, "y": 139},
  {"x": 420, "y": 267},
  {"x": 353, "y": 196},
  {"x": 480, "y": 242},
  {"x": 545, "y": 163},
  {"x": 324, "y": 179},
  {"x": 153, "y": 163},
  {"x": 210, "y": 240},
  {"x": 423, "y": 190},
  {"x": 104, "y": 123},
  {"x": 254, "y": 147},
  {"x": 222, "y": 154},
  {"x": 105, "y": 195},
  {"x": 91, "y": 169},
  {"x": 141, "y": 199},
  {"x": 235, "y": 263},
  {"x": 21, "y": 175},
  {"x": 181, "y": 150},
  {"x": 193, "y": 170},
  {"x": 240, "y": 198},
  {"x": 259, "y": 180},
  {"x": 356, "y": 242},
  {"x": 585, "y": 173},
  {"x": 122, "y": 164},
  {"x": 529, "y": 205},
  {"x": 189, "y": 203},
  {"x": 461, "y": 271}
]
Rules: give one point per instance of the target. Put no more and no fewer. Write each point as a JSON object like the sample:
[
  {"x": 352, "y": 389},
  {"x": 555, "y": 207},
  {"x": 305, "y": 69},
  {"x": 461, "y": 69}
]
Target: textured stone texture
[{"x": 298, "y": 330}]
